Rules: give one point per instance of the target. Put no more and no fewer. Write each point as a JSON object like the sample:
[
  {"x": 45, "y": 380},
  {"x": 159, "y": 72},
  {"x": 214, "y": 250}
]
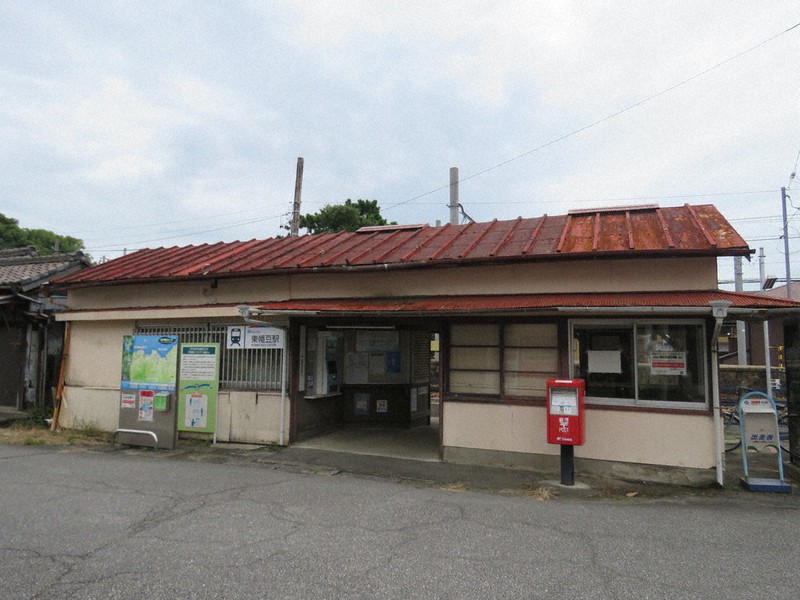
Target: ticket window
[{"x": 323, "y": 362}]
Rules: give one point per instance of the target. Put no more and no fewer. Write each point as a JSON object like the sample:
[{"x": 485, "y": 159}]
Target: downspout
[
  {"x": 284, "y": 377},
  {"x": 719, "y": 310}
]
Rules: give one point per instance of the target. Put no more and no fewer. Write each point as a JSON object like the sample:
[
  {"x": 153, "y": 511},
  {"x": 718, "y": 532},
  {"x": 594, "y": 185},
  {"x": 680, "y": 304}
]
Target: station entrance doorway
[{"x": 369, "y": 389}]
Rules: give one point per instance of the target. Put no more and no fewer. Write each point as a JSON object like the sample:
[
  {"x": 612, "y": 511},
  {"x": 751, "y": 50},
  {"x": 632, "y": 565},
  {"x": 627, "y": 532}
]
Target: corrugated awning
[{"x": 696, "y": 302}]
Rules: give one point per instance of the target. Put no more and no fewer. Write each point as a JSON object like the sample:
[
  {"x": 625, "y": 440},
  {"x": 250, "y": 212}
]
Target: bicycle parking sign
[{"x": 760, "y": 434}]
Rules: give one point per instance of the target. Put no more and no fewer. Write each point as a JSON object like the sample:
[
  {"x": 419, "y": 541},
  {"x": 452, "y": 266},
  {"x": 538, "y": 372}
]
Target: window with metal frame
[
  {"x": 240, "y": 369},
  {"x": 641, "y": 362}
]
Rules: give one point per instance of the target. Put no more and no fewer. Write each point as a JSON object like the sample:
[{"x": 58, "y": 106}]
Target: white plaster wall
[
  {"x": 91, "y": 390},
  {"x": 532, "y": 278},
  {"x": 634, "y": 437},
  {"x": 251, "y": 417},
  {"x": 95, "y": 353},
  {"x": 228, "y": 291},
  {"x": 82, "y": 406}
]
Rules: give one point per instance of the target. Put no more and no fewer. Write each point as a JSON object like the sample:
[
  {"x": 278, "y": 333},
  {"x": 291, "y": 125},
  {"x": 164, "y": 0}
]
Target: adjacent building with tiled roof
[{"x": 29, "y": 339}]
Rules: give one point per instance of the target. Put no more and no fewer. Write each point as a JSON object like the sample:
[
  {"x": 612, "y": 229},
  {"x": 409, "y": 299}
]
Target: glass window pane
[
  {"x": 670, "y": 363},
  {"x": 475, "y": 335},
  {"x": 604, "y": 358},
  {"x": 531, "y": 359},
  {"x": 474, "y": 382},
  {"x": 526, "y": 334},
  {"x": 526, "y": 384},
  {"x": 475, "y": 358}
]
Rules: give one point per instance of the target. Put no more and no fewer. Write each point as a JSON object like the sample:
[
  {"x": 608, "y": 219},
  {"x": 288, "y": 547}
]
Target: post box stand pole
[{"x": 567, "y": 464}]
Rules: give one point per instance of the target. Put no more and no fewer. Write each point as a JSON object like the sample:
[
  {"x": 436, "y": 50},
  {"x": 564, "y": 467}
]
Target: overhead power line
[
  {"x": 170, "y": 237},
  {"x": 603, "y": 120}
]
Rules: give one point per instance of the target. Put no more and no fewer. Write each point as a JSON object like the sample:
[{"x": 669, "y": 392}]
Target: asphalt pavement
[{"x": 236, "y": 522}]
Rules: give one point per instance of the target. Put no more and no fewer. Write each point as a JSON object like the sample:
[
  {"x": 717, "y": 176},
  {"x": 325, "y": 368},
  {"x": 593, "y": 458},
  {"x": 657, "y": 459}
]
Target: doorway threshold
[{"x": 416, "y": 443}]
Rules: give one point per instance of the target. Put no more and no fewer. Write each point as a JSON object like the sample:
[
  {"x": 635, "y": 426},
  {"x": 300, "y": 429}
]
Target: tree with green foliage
[
  {"x": 45, "y": 242},
  {"x": 349, "y": 216}
]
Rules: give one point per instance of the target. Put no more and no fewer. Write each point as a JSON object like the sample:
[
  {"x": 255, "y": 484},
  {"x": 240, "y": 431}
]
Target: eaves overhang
[{"x": 695, "y": 303}]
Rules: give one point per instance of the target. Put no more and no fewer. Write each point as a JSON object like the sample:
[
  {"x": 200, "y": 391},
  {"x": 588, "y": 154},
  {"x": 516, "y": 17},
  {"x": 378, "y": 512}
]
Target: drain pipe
[
  {"x": 719, "y": 310},
  {"x": 284, "y": 377}
]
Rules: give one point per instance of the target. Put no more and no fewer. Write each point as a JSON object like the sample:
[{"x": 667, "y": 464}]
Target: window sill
[
  {"x": 700, "y": 408},
  {"x": 510, "y": 400},
  {"x": 323, "y": 396}
]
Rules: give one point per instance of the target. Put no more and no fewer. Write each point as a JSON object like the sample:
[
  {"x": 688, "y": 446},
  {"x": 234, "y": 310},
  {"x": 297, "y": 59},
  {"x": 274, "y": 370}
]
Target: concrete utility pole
[
  {"x": 762, "y": 273},
  {"x": 453, "y": 196},
  {"x": 294, "y": 228},
  {"x": 741, "y": 329},
  {"x": 786, "y": 245}
]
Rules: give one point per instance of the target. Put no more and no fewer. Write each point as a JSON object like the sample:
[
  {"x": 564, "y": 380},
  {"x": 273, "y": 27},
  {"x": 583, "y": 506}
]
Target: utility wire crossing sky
[{"x": 133, "y": 124}]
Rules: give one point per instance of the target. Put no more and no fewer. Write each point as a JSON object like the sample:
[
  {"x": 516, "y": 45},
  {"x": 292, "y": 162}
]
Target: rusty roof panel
[
  {"x": 242, "y": 256},
  {"x": 685, "y": 229},
  {"x": 547, "y": 236},
  {"x": 440, "y": 240},
  {"x": 612, "y": 232},
  {"x": 508, "y": 232},
  {"x": 718, "y": 227},
  {"x": 617, "y": 231},
  {"x": 648, "y": 233},
  {"x": 408, "y": 250},
  {"x": 463, "y": 235}
]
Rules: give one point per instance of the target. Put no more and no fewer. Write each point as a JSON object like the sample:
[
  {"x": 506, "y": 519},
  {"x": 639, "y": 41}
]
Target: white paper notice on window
[
  {"x": 605, "y": 361},
  {"x": 668, "y": 363},
  {"x": 563, "y": 401}
]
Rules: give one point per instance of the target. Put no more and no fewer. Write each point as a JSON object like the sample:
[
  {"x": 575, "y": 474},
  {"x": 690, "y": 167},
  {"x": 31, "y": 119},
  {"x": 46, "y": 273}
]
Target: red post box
[{"x": 565, "y": 411}]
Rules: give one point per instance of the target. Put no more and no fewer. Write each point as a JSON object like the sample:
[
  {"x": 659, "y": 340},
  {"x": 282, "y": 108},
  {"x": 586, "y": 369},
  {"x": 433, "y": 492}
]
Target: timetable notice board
[{"x": 376, "y": 357}]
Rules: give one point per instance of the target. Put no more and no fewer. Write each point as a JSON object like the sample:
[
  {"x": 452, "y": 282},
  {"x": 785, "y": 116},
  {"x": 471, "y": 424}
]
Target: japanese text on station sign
[{"x": 254, "y": 336}]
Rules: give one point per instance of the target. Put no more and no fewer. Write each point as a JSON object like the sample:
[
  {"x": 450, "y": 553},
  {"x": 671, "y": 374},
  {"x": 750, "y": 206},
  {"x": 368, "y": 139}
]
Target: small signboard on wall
[
  {"x": 361, "y": 404},
  {"x": 198, "y": 387},
  {"x": 248, "y": 337}
]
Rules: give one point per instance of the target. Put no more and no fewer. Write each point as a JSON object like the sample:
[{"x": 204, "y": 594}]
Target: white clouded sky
[{"x": 135, "y": 123}]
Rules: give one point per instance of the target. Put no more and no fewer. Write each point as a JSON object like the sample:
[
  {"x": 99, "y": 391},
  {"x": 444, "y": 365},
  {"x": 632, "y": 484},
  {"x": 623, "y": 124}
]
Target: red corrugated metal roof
[
  {"x": 624, "y": 232},
  {"x": 529, "y": 302}
]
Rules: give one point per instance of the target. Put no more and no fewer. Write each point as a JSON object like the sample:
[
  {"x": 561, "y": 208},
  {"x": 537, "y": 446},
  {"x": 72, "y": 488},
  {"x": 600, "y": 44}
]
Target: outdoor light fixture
[{"x": 719, "y": 308}]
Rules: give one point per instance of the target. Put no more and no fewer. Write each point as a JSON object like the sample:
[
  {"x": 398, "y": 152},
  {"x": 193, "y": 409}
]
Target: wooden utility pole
[
  {"x": 62, "y": 374},
  {"x": 298, "y": 188}
]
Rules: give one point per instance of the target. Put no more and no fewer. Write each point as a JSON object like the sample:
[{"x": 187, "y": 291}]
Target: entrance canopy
[{"x": 742, "y": 305}]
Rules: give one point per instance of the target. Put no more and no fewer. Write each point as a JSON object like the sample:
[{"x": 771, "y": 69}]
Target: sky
[{"x": 133, "y": 124}]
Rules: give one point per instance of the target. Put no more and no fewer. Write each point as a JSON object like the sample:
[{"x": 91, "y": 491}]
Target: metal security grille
[{"x": 253, "y": 369}]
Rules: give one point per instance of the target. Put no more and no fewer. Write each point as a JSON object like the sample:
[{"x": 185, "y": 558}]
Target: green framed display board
[{"x": 198, "y": 386}]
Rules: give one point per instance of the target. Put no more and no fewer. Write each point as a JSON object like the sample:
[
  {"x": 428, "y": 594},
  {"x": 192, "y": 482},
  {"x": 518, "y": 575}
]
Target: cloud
[
  {"x": 111, "y": 130},
  {"x": 194, "y": 111}
]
